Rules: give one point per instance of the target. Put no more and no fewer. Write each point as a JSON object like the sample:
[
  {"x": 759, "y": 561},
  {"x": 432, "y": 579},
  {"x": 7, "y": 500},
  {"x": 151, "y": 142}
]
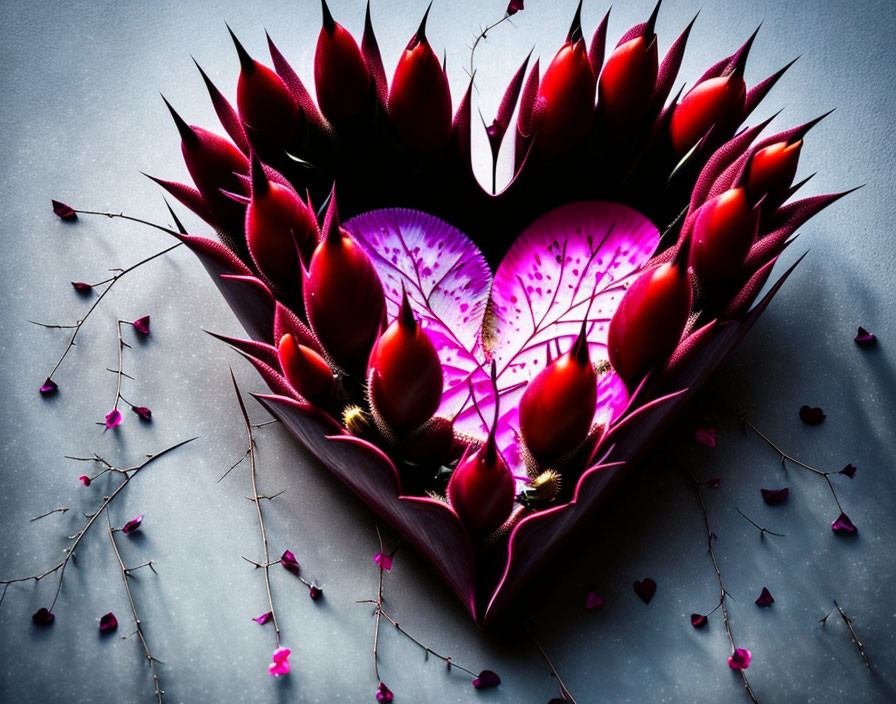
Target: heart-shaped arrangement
[{"x": 486, "y": 416}]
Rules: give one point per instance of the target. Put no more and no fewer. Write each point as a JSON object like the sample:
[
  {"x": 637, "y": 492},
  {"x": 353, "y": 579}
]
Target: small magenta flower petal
[
  {"x": 486, "y": 679},
  {"x": 593, "y": 601},
  {"x": 289, "y": 562},
  {"x": 849, "y": 470},
  {"x": 383, "y": 693},
  {"x": 49, "y": 386},
  {"x": 514, "y": 6},
  {"x": 740, "y": 659},
  {"x": 384, "y": 561},
  {"x": 773, "y": 497},
  {"x": 645, "y": 589},
  {"x": 113, "y": 418},
  {"x": 108, "y": 623},
  {"x": 132, "y": 525},
  {"x": 864, "y": 338},
  {"x": 264, "y": 618},
  {"x": 43, "y": 617},
  {"x": 315, "y": 592},
  {"x": 706, "y": 436},
  {"x": 84, "y": 479},
  {"x": 698, "y": 620},
  {"x": 280, "y": 664},
  {"x": 143, "y": 412},
  {"x": 765, "y": 598},
  {"x": 811, "y": 415},
  {"x": 141, "y": 325},
  {"x": 81, "y": 286},
  {"x": 63, "y": 211},
  {"x": 844, "y": 526}
]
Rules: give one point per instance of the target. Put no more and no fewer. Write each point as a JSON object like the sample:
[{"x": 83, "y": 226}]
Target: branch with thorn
[{"x": 852, "y": 631}]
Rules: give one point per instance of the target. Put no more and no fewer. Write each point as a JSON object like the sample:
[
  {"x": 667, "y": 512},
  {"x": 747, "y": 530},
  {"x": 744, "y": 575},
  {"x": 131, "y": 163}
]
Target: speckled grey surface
[{"x": 81, "y": 116}]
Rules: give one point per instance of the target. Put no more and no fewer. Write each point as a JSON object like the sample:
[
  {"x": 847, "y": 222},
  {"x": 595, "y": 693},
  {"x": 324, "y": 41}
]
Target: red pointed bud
[
  {"x": 404, "y": 373},
  {"x": 628, "y": 81},
  {"x": 724, "y": 230},
  {"x": 651, "y": 318},
  {"x": 265, "y": 105},
  {"x": 213, "y": 163},
  {"x": 564, "y": 104},
  {"x": 277, "y": 221},
  {"x": 557, "y": 408},
  {"x": 343, "y": 297},
  {"x": 771, "y": 172},
  {"x": 481, "y": 489},
  {"x": 305, "y": 370},
  {"x": 420, "y": 99},
  {"x": 716, "y": 102},
  {"x": 341, "y": 77}
]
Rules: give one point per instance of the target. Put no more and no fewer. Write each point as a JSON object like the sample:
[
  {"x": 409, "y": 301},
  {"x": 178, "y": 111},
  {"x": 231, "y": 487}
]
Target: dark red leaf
[
  {"x": 865, "y": 338},
  {"x": 765, "y": 598},
  {"x": 141, "y": 325},
  {"x": 315, "y": 592},
  {"x": 487, "y": 679},
  {"x": 63, "y": 211},
  {"x": 49, "y": 386},
  {"x": 849, "y": 470},
  {"x": 698, "y": 620},
  {"x": 593, "y": 601},
  {"x": 43, "y": 617},
  {"x": 773, "y": 497},
  {"x": 844, "y": 526},
  {"x": 289, "y": 562},
  {"x": 645, "y": 589},
  {"x": 108, "y": 623},
  {"x": 383, "y": 693},
  {"x": 515, "y": 6},
  {"x": 143, "y": 412},
  {"x": 132, "y": 525},
  {"x": 81, "y": 287},
  {"x": 264, "y": 618},
  {"x": 811, "y": 416}
]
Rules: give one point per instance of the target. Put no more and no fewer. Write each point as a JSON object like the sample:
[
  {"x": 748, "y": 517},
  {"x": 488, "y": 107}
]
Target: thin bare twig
[
  {"x": 564, "y": 690},
  {"x": 129, "y": 474},
  {"x": 761, "y": 529},
  {"x": 125, "y": 574},
  {"x": 51, "y": 511},
  {"x": 852, "y": 631}
]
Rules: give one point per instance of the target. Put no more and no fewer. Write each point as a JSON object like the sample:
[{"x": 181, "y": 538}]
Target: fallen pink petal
[
  {"x": 141, "y": 325},
  {"x": 486, "y": 679},
  {"x": 132, "y": 525},
  {"x": 383, "y": 693},
  {"x": 811, "y": 415},
  {"x": 384, "y": 561},
  {"x": 864, "y": 338},
  {"x": 49, "y": 386},
  {"x": 280, "y": 664},
  {"x": 765, "y": 598},
  {"x": 63, "y": 211},
  {"x": 143, "y": 412},
  {"x": 289, "y": 562},
  {"x": 84, "y": 479},
  {"x": 699, "y": 620},
  {"x": 843, "y": 525},
  {"x": 706, "y": 436},
  {"x": 43, "y": 617},
  {"x": 108, "y": 623},
  {"x": 645, "y": 589},
  {"x": 264, "y": 618},
  {"x": 593, "y": 601},
  {"x": 773, "y": 497},
  {"x": 740, "y": 659},
  {"x": 849, "y": 471},
  {"x": 113, "y": 418}
]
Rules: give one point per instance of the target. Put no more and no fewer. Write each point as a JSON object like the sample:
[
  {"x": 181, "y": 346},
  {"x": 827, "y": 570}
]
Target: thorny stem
[
  {"x": 51, "y": 511},
  {"x": 129, "y": 473},
  {"x": 483, "y": 34},
  {"x": 125, "y": 574},
  {"x": 852, "y": 631},
  {"x": 129, "y": 217},
  {"x": 264, "y": 536},
  {"x": 761, "y": 529},
  {"x": 723, "y": 592},
  {"x": 564, "y": 690},
  {"x": 380, "y": 612},
  {"x": 119, "y": 273}
]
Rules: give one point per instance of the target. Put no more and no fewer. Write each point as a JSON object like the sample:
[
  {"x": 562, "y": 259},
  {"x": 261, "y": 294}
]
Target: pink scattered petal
[
  {"x": 113, "y": 418},
  {"x": 765, "y": 598},
  {"x": 811, "y": 415},
  {"x": 315, "y": 592},
  {"x": 849, "y": 470},
  {"x": 49, "y": 386},
  {"x": 487, "y": 679},
  {"x": 714, "y": 483},
  {"x": 514, "y": 6},
  {"x": 132, "y": 525},
  {"x": 63, "y": 211},
  {"x": 43, "y": 617},
  {"x": 844, "y": 526},
  {"x": 84, "y": 479},
  {"x": 143, "y": 412},
  {"x": 108, "y": 623},
  {"x": 698, "y": 620},
  {"x": 773, "y": 497},
  {"x": 740, "y": 659},
  {"x": 593, "y": 601},
  {"x": 384, "y": 561},
  {"x": 865, "y": 338},
  {"x": 81, "y": 286},
  {"x": 289, "y": 562},
  {"x": 383, "y": 693},
  {"x": 264, "y": 618},
  {"x": 645, "y": 589},
  {"x": 141, "y": 325},
  {"x": 706, "y": 436},
  {"x": 280, "y": 664}
]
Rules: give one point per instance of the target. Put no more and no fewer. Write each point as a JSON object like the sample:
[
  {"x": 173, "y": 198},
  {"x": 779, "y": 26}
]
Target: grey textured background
[{"x": 81, "y": 116}]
